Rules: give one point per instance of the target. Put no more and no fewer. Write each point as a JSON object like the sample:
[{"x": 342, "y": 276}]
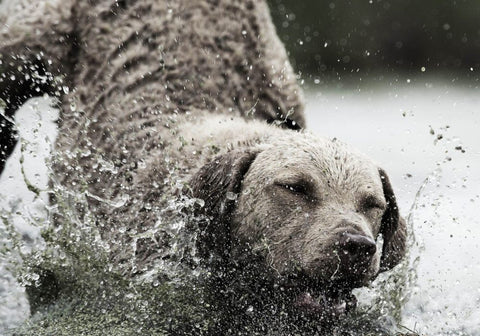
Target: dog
[{"x": 188, "y": 112}]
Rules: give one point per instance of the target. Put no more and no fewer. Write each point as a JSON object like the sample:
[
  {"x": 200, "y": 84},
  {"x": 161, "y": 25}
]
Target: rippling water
[{"x": 424, "y": 134}]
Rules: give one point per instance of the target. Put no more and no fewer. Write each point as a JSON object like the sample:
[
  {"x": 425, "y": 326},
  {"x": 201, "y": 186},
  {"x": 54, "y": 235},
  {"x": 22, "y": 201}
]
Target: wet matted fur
[{"x": 188, "y": 112}]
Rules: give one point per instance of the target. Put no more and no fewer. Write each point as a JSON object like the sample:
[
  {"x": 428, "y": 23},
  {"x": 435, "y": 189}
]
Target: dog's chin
[{"x": 325, "y": 305}]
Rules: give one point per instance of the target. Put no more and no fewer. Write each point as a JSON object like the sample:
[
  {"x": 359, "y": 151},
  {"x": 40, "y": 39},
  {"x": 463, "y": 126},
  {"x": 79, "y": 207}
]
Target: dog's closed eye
[
  {"x": 294, "y": 188},
  {"x": 301, "y": 188}
]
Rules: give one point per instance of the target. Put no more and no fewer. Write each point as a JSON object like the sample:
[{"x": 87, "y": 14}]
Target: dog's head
[{"x": 311, "y": 209}]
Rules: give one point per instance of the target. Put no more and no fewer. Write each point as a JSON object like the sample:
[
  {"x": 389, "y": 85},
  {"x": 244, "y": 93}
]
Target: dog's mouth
[
  {"x": 325, "y": 305},
  {"x": 322, "y": 301}
]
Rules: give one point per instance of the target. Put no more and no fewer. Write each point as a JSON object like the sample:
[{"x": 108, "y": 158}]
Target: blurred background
[{"x": 331, "y": 38}]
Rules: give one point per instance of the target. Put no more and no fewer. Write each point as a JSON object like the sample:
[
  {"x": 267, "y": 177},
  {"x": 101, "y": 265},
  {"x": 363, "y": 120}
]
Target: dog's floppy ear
[
  {"x": 217, "y": 183},
  {"x": 393, "y": 228}
]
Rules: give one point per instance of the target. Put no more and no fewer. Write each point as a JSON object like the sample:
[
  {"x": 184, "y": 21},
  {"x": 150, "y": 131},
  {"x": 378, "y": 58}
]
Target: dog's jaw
[{"x": 324, "y": 306}]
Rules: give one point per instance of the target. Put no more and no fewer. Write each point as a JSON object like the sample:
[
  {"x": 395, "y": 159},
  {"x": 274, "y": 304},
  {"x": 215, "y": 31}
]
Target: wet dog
[{"x": 196, "y": 100}]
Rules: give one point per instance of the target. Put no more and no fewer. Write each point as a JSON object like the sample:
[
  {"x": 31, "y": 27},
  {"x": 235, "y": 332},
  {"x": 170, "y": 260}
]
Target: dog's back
[{"x": 126, "y": 62}]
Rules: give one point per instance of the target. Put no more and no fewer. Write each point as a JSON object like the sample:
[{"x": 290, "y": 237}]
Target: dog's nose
[{"x": 356, "y": 250}]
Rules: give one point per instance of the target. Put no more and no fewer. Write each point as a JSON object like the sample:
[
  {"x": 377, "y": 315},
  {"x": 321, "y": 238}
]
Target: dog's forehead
[{"x": 328, "y": 160}]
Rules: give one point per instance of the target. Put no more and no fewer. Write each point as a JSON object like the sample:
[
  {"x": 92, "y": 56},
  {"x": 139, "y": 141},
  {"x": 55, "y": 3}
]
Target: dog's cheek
[
  {"x": 246, "y": 222},
  {"x": 257, "y": 222}
]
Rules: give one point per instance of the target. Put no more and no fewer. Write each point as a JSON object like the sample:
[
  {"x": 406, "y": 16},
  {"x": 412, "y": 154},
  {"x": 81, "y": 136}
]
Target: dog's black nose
[{"x": 356, "y": 250}]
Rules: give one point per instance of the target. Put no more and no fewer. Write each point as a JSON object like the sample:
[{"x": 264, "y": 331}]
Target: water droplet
[
  {"x": 231, "y": 196},
  {"x": 200, "y": 202},
  {"x": 142, "y": 164},
  {"x": 86, "y": 153}
]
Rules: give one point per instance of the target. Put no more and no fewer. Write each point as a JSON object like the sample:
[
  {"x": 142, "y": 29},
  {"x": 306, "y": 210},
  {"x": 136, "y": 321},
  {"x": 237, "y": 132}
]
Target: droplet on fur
[
  {"x": 200, "y": 202},
  {"x": 142, "y": 164},
  {"x": 231, "y": 196}
]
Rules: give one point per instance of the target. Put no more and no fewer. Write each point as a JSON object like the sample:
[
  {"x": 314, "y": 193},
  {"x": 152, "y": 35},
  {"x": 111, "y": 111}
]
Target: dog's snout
[{"x": 356, "y": 250}]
